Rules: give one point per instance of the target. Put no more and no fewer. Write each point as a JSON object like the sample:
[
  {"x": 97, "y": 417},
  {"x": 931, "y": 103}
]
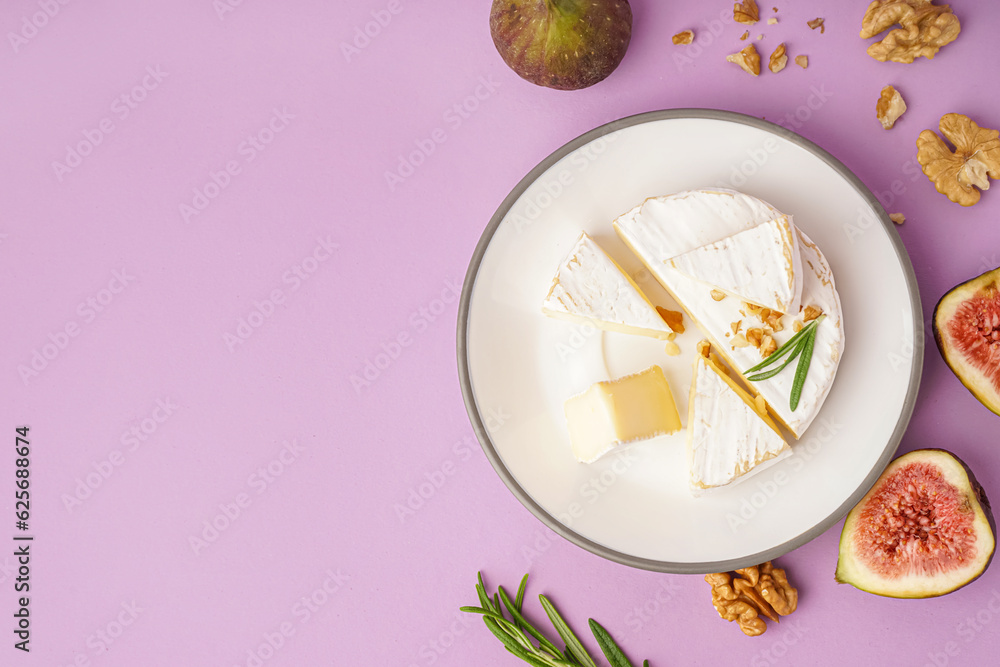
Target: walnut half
[
  {"x": 751, "y": 592},
  {"x": 957, "y": 174},
  {"x": 924, "y": 29}
]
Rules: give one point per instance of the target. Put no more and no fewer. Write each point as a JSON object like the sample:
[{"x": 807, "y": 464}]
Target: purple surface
[{"x": 180, "y": 342}]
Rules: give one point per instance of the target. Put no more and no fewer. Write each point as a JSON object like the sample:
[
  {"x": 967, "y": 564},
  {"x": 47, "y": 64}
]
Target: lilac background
[{"x": 331, "y": 515}]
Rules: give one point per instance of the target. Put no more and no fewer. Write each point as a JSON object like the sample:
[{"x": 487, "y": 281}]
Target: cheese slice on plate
[
  {"x": 760, "y": 265},
  {"x": 617, "y": 412},
  {"x": 590, "y": 287},
  {"x": 662, "y": 228},
  {"x": 730, "y": 434}
]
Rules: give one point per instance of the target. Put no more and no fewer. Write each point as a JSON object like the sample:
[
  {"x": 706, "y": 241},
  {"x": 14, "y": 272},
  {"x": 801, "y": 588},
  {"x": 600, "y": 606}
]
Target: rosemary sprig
[
  {"x": 787, "y": 347},
  {"x": 777, "y": 368},
  {"x": 800, "y": 345},
  {"x": 517, "y": 632},
  {"x": 802, "y": 370},
  {"x": 611, "y": 651}
]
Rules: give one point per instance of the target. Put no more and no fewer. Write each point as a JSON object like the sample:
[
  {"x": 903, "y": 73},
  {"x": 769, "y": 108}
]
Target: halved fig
[
  {"x": 925, "y": 529},
  {"x": 967, "y": 331}
]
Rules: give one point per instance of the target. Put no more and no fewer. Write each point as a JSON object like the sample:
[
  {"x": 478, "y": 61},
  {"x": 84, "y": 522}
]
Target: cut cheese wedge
[
  {"x": 590, "y": 287},
  {"x": 617, "y": 412},
  {"x": 730, "y": 434},
  {"x": 665, "y": 227},
  {"x": 760, "y": 265}
]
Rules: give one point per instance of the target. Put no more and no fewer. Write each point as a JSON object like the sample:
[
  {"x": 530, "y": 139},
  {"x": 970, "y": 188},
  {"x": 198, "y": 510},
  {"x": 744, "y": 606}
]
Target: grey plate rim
[{"x": 472, "y": 407}]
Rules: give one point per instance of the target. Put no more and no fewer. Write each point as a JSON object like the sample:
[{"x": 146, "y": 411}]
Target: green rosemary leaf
[
  {"x": 476, "y": 610},
  {"x": 502, "y": 634},
  {"x": 484, "y": 599},
  {"x": 787, "y": 347},
  {"x": 611, "y": 650},
  {"x": 573, "y": 645},
  {"x": 528, "y": 658},
  {"x": 520, "y": 591},
  {"x": 516, "y": 633},
  {"x": 774, "y": 371},
  {"x": 523, "y": 623},
  {"x": 802, "y": 370},
  {"x": 645, "y": 663},
  {"x": 543, "y": 661}
]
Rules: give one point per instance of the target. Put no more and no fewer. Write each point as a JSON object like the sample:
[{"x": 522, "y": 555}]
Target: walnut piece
[
  {"x": 976, "y": 156},
  {"x": 890, "y": 107},
  {"x": 778, "y": 59},
  {"x": 802, "y": 61},
  {"x": 684, "y": 37},
  {"x": 673, "y": 318},
  {"x": 897, "y": 218},
  {"x": 748, "y": 59},
  {"x": 755, "y": 336},
  {"x": 704, "y": 348},
  {"x": 717, "y": 295},
  {"x": 767, "y": 346},
  {"x": 672, "y": 349},
  {"x": 776, "y": 590},
  {"x": 811, "y": 313},
  {"x": 817, "y": 23},
  {"x": 924, "y": 29},
  {"x": 743, "y": 37},
  {"x": 749, "y": 593},
  {"x": 746, "y": 12},
  {"x": 739, "y": 340},
  {"x": 772, "y": 21}
]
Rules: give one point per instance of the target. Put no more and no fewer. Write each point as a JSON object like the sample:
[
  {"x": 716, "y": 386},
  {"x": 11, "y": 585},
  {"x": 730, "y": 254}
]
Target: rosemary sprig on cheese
[{"x": 800, "y": 345}]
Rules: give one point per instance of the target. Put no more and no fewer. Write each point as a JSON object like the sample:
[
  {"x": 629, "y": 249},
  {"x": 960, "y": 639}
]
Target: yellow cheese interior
[
  {"x": 615, "y": 412},
  {"x": 716, "y": 366}
]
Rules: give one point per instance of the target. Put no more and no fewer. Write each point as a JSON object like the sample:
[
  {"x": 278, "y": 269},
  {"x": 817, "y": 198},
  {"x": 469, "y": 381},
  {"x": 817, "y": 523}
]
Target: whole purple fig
[{"x": 564, "y": 44}]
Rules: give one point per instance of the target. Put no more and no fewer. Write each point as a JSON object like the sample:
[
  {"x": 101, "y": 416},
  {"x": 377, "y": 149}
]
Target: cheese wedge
[
  {"x": 662, "y": 228},
  {"x": 590, "y": 287},
  {"x": 761, "y": 265},
  {"x": 730, "y": 435},
  {"x": 618, "y": 412}
]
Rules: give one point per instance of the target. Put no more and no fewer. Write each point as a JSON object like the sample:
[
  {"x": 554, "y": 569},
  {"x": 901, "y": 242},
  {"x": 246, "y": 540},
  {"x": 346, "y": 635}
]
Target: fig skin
[
  {"x": 974, "y": 379},
  {"x": 562, "y": 44},
  {"x": 847, "y": 571}
]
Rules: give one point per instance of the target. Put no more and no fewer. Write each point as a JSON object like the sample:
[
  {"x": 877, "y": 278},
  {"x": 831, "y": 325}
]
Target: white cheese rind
[
  {"x": 727, "y": 439},
  {"x": 590, "y": 287},
  {"x": 664, "y": 227},
  {"x": 760, "y": 265}
]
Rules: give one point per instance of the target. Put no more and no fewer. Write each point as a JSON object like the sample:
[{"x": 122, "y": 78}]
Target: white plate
[{"x": 518, "y": 366}]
